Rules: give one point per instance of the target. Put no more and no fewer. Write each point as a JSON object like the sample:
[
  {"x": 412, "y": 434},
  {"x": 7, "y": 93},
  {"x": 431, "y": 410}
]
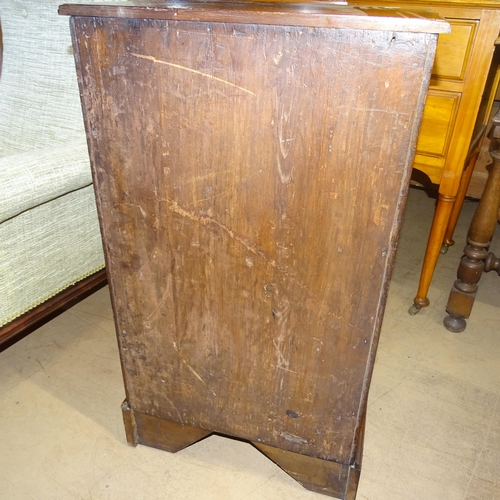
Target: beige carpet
[{"x": 433, "y": 428}]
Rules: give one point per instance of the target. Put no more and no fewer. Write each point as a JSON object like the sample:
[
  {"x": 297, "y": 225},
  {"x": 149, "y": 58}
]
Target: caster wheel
[{"x": 414, "y": 309}]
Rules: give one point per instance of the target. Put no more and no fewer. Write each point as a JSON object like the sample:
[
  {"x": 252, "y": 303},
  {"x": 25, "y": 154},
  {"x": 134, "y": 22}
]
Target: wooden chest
[{"x": 251, "y": 163}]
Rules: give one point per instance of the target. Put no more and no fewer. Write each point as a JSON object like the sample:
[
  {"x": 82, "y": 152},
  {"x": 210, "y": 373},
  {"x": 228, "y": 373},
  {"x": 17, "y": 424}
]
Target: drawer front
[
  {"x": 454, "y": 49},
  {"x": 437, "y": 125}
]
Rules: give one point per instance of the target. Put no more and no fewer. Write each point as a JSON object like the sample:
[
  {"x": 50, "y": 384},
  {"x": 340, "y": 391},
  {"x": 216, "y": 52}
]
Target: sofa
[{"x": 50, "y": 245}]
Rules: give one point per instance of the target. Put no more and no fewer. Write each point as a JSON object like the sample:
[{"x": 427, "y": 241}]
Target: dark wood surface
[
  {"x": 30, "y": 321},
  {"x": 477, "y": 259},
  {"x": 166, "y": 435},
  {"x": 251, "y": 181},
  {"x": 284, "y": 13}
]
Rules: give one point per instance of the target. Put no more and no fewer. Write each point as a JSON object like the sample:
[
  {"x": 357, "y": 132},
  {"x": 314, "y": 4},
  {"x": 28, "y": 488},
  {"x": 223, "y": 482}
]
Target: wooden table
[
  {"x": 446, "y": 149},
  {"x": 477, "y": 259},
  {"x": 251, "y": 164}
]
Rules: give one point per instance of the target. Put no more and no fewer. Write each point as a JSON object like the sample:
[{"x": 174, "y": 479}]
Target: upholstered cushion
[
  {"x": 35, "y": 177},
  {"x": 39, "y": 97},
  {"x": 49, "y": 231},
  {"x": 46, "y": 249}
]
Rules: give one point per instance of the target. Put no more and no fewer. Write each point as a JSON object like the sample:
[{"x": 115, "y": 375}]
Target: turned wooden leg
[
  {"x": 476, "y": 258},
  {"x": 157, "y": 432},
  {"x": 457, "y": 206},
  {"x": 436, "y": 237}
]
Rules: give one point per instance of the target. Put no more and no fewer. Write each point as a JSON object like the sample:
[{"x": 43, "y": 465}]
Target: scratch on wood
[
  {"x": 206, "y": 221},
  {"x": 202, "y": 177},
  {"x": 293, "y": 438},
  {"x": 347, "y": 322},
  {"x": 191, "y": 369},
  {"x": 283, "y": 363},
  {"x": 134, "y": 205},
  {"x": 284, "y": 176},
  {"x": 279, "y": 367},
  {"x": 380, "y": 214},
  {"x": 195, "y": 202},
  {"x": 159, "y": 304},
  {"x": 191, "y": 70},
  {"x": 394, "y": 113},
  {"x": 177, "y": 411},
  {"x": 284, "y": 144}
]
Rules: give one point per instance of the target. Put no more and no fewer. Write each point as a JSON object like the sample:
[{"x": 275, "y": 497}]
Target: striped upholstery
[{"x": 49, "y": 233}]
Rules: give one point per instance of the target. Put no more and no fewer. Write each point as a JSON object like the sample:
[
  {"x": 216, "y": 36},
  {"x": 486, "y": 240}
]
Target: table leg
[
  {"x": 436, "y": 237},
  {"x": 476, "y": 258},
  {"x": 457, "y": 206}
]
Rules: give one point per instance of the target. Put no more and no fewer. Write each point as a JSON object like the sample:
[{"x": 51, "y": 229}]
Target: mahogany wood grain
[
  {"x": 251, "y": 176},
  {"x": 284, "y": 13}
]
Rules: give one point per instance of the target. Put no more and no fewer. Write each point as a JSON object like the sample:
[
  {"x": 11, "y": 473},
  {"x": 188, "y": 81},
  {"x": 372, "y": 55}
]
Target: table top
[{"x": 284, "y": 13}]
